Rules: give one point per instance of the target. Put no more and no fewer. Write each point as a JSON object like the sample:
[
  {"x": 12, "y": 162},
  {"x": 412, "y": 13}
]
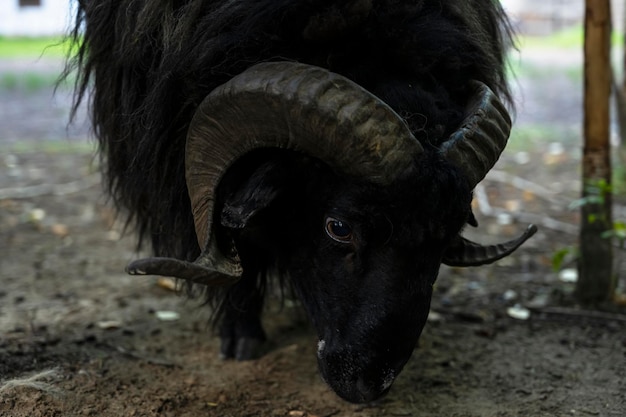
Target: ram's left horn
[{"x": 464, "y": 252}]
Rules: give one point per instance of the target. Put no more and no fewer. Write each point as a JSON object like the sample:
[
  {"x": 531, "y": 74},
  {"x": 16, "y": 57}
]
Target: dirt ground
[{"x": 79, "y": 337}]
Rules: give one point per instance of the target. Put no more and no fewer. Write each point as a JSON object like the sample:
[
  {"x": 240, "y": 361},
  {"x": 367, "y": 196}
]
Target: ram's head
[{"x": 307, "y": 170}]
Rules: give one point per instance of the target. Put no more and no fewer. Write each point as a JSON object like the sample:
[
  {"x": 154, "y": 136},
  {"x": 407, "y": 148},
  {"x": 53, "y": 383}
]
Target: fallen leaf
[
  {"x": 512, "y": 205},
  {"x": 509, "y": 295},
  {"x": 620, "y": 299},
  {"x": 529, "y": 196},
  {"x": 518, "y": 312},
  {"x": 568, "y": 275},
  {"x": 434, "y": 317},
  {"x": 59, "y": 230},
  {"x": 109, "y": 324},
  {"x": 167, "y": 315},
  {"x": 36, "y": 215},
  {"x": 167, "y": 283}
]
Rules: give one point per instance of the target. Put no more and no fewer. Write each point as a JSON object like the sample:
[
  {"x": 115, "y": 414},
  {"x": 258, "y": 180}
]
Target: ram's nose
[
  {"x": 362, "y": 389},
  {"x": 367, "y": 391},
  {"x": 352, "y": 378}
]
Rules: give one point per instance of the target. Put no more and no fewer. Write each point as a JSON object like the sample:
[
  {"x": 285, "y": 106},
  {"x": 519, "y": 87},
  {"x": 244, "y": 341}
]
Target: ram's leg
[{"x": 241, "y": 332}]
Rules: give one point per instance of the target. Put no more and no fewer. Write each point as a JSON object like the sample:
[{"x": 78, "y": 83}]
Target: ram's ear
[{"x": 253, "y": 195}]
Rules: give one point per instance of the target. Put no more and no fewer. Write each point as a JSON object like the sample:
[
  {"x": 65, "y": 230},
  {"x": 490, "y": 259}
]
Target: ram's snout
[{"x": 358, "y": 375}]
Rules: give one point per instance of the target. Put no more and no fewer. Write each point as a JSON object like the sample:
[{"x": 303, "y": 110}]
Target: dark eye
[{"x": 338, "y": 230}]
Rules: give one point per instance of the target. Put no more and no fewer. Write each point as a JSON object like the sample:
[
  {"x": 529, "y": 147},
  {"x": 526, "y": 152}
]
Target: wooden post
[
  {"x": 596, "y": 282},
  {"x": 619, "y": 89}
]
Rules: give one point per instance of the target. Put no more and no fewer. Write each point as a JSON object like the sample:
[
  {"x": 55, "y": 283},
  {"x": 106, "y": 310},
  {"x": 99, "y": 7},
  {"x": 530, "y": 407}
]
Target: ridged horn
[
  {"x": 464, "y": 252},
  {"x": 282, "y": 105},
  {"x": 476, "y": 146}
]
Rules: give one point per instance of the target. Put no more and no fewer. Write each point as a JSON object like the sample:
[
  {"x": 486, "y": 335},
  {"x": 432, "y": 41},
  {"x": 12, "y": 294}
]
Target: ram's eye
[{"x": 338, "y": 230}]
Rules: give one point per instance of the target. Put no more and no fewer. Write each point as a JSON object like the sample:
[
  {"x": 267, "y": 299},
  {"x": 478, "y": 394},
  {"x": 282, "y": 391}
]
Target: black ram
[{"x": 331, "y": 144}]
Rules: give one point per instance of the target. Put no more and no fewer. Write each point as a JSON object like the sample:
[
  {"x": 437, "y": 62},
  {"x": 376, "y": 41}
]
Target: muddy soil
[{"x": 79, "y": 337}]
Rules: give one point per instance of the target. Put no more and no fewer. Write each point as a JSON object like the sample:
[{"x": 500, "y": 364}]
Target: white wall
[{"x": 52, "y": 17}]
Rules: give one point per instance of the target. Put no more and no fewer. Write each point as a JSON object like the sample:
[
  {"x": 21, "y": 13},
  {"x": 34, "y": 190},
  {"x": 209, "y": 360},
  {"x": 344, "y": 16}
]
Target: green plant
[
  {"x": 23, "y": 47},
  {"x": 568, "y": 38},
  {"x": 60, "y": 146},
  {"x": 9, "y": 81},
  {"x": 595, "y": 193},
  {"x": 532, "y": 136},
  {"x": 28, "y": 81},
  {"x": 618, "y": 232},
  {"x": 563, "y": 256}
]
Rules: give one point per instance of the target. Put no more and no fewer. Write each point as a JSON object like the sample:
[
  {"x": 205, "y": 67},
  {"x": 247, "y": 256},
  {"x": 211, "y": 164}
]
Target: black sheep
[{"x": 332, "y": 144}]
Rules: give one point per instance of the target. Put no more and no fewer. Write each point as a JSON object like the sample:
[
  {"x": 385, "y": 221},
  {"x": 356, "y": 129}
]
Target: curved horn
[
  {"x": 463, "y": 252},
  {"x": 193, "y": 272},
  {"x": 475, "y": 148},
  {"x": 477, "y": 144},
  {"x": 283, "y": 105}
]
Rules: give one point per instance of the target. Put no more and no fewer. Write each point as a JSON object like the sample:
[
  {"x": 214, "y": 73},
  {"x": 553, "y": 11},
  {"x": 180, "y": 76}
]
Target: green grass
[
  {"x": 21, "y": 47},
  {"x": 49, "y": 147},
  {"x": 529, "y": 137},
  {"x": 31, "y": 49},
  {"x": 569, "y": 38},
  {"x": 519, "y": 68},
  {"x": 29, "y": 81}
]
